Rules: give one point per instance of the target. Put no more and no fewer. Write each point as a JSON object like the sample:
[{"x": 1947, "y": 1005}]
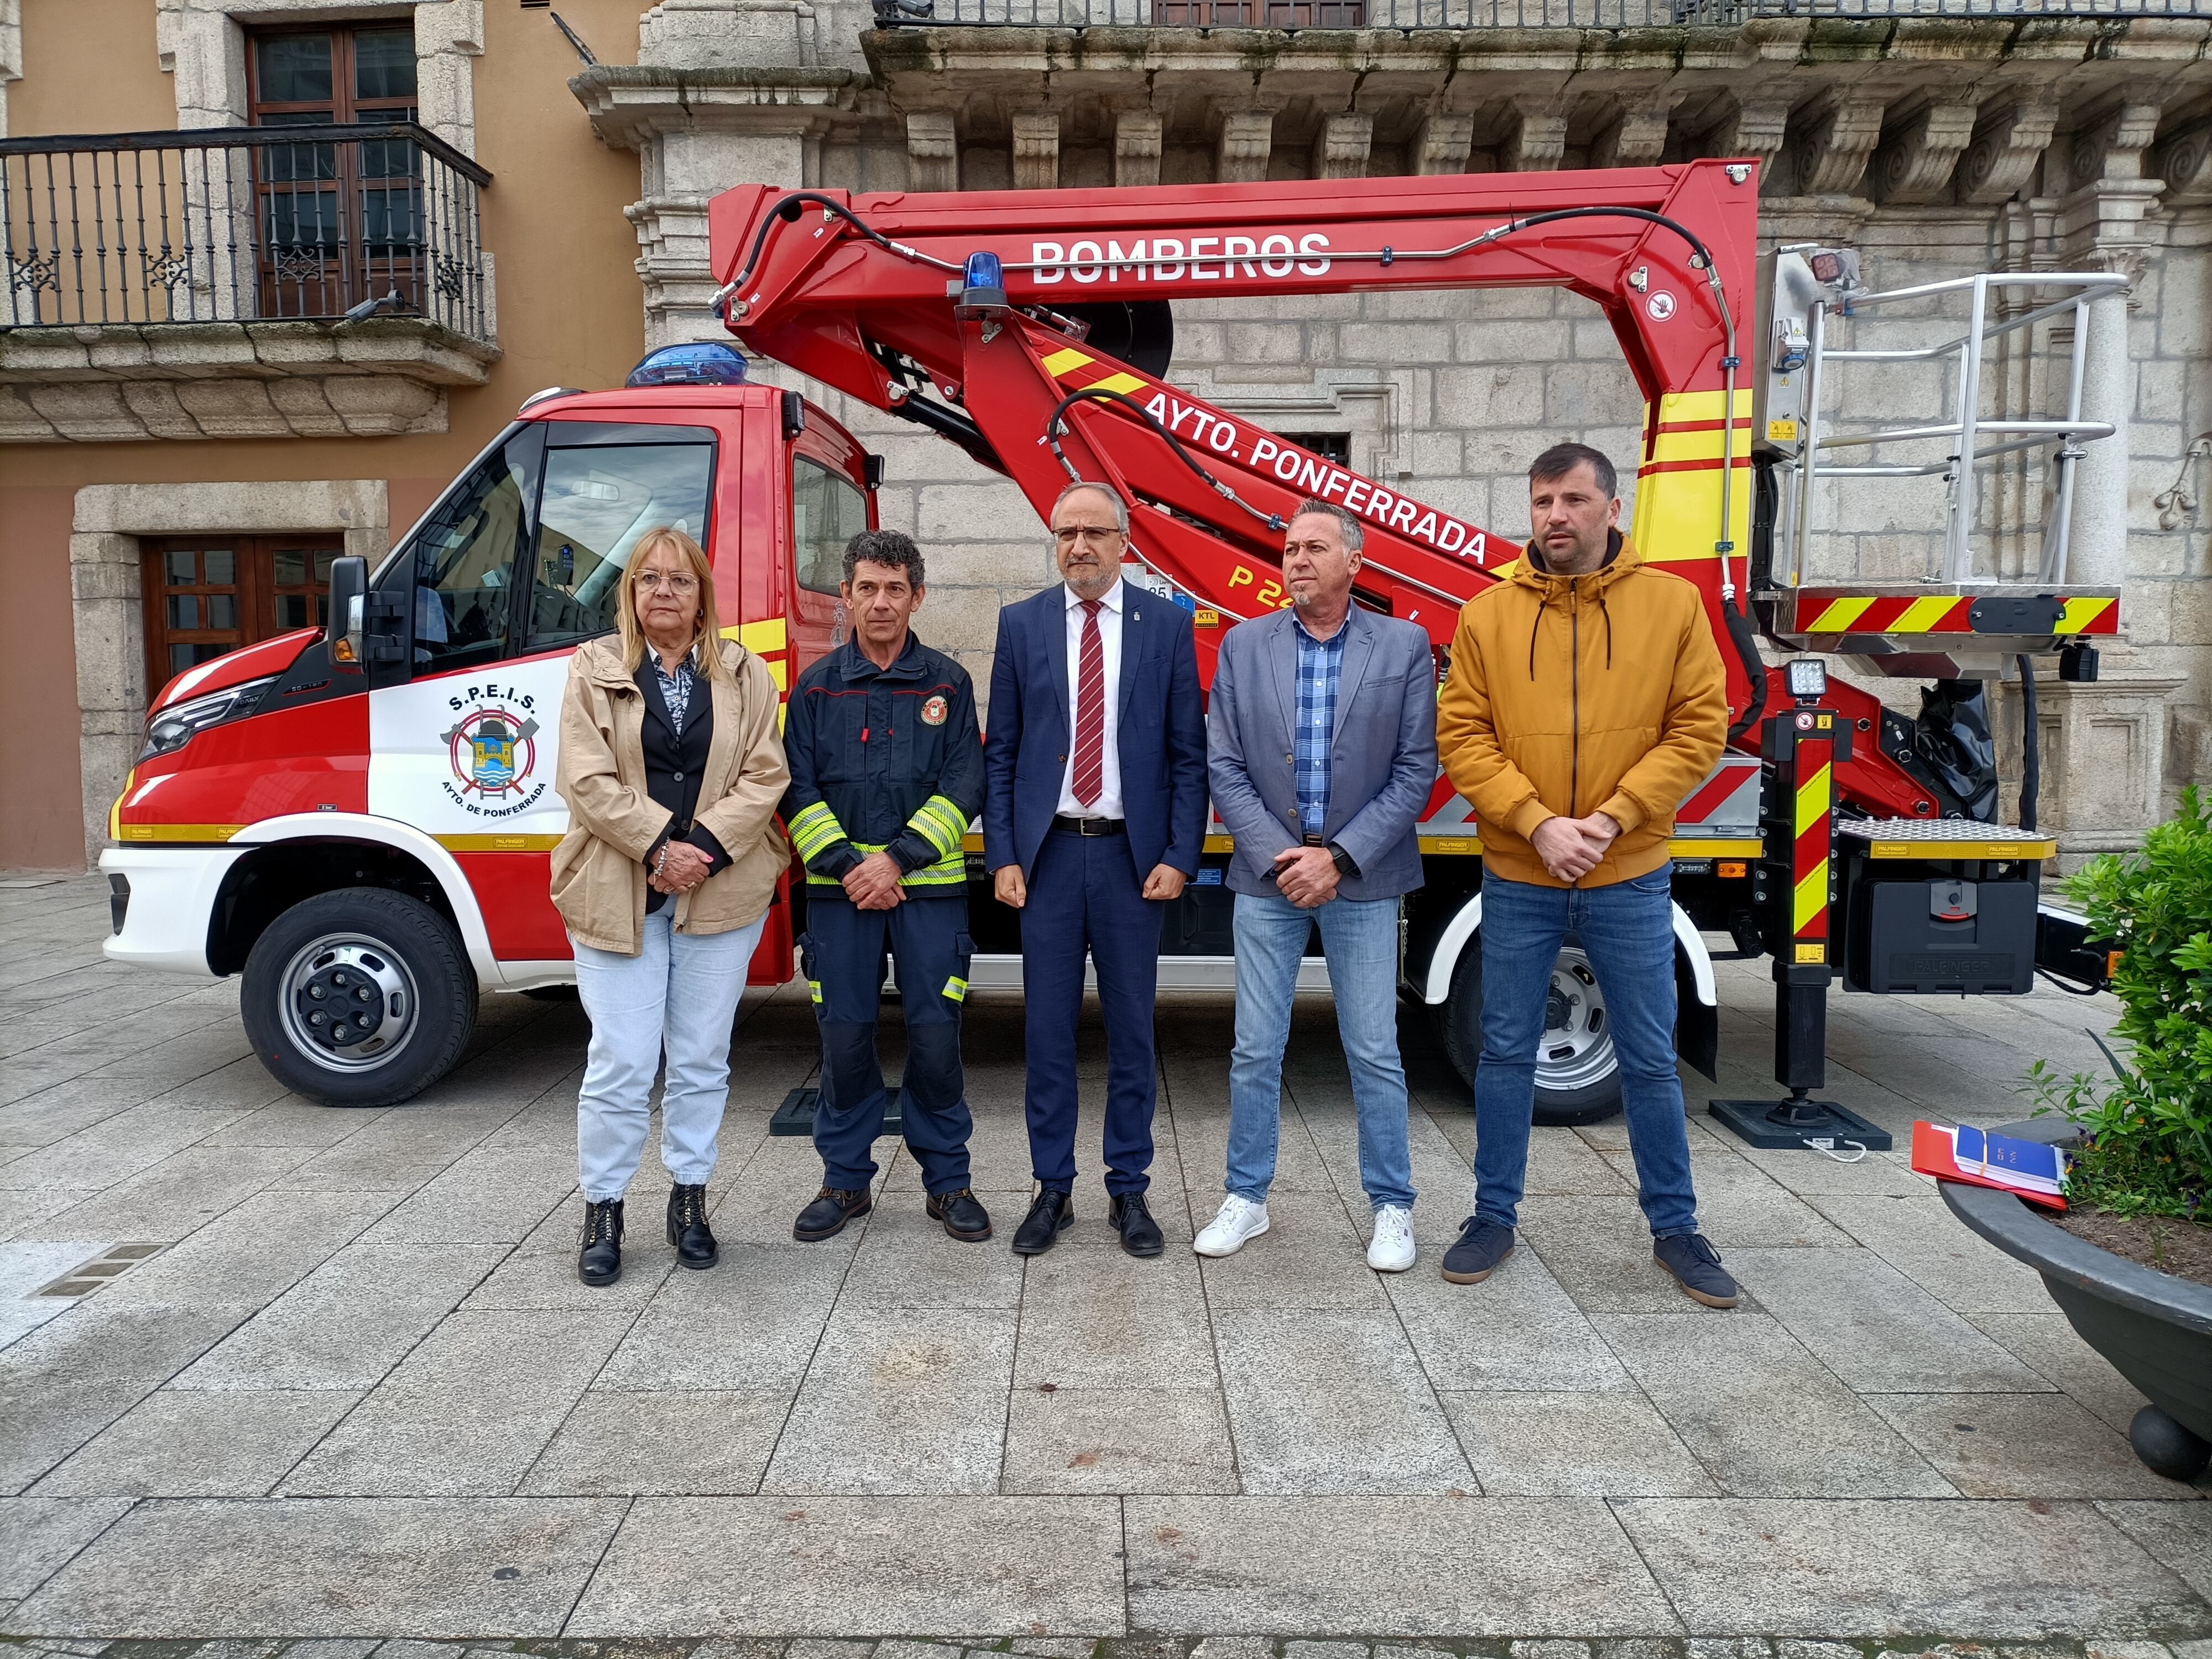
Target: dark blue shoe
[
  {"x": 1696, "y": 1267},
  {"x": 1482, "y": 1245}
]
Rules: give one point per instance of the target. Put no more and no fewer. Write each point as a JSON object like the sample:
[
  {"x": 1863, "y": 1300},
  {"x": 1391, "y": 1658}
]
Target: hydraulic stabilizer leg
[{"x": 1802, "y": 745}]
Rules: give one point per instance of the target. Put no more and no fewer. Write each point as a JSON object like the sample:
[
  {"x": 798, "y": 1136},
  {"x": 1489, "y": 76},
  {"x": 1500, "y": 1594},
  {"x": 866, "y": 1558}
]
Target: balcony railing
[
  {"x": 242, "y": 224},
  {"x": 1478, "y": 14}
]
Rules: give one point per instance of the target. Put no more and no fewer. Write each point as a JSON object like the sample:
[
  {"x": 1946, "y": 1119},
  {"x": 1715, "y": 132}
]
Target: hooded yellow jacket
[{"x": 1570, "y": 695}]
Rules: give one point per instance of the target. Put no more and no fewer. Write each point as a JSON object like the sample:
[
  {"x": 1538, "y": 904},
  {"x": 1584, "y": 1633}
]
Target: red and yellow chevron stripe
[
  {"x": 1808, "y": 859},
  {"x": 1936, "y": 613},
  {"x": 1069, "y": 361}
]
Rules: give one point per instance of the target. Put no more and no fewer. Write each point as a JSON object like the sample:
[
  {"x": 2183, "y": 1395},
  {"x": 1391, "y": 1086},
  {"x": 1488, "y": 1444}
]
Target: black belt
[{"x": 1089, "y": 826}]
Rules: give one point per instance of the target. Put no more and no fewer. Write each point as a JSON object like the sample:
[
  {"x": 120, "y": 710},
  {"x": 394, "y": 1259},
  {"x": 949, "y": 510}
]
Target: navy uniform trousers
[
  {"x": 843, "y": 956},
  {"x": 1085, "y": 894}
]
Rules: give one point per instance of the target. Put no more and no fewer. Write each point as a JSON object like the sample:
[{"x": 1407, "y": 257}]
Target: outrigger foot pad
[{"x": 1798, "y": 1121}]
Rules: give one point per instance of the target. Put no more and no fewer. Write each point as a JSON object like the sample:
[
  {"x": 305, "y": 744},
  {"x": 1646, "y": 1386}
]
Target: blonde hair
[{"x": 709, "y": 625}]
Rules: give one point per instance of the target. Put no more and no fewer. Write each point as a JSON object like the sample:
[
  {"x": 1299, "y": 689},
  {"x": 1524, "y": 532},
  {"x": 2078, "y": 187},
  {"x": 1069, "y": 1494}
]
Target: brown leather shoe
[{"x": 962, "y": 1214}]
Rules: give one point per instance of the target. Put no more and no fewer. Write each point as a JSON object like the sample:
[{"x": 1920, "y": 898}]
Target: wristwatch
[{"x": 1342, "y": 860}]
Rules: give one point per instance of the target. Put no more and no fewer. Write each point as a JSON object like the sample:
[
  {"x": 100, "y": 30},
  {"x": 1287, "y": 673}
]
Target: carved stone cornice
[
  {"x": 1247, "y": 139},
  {"x": 633, "y": 105},
  {"x": 1914, "y": 162},
  {"x": 1137, "y": 137},
  {"x": 932, "y": 150},
  {"x": 1638, "y": 138},
  {"x": 1539, "y": 140},
  {"x": 1752, "y": 131},
  {"x": 2112, "y": 148},
  {"x": 2184, "y": 161},
  {"x": 1036, "y": 148},
  {"x": 2007, "y": 144},
  {"x": 1832, "y": 156},
  {"x": 1442, "y": 143},
  {"x": 1341, "y": 146}
]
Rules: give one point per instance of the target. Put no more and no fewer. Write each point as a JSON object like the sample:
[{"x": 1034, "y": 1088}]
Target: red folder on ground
[{"x": 1935, "y": 1152}]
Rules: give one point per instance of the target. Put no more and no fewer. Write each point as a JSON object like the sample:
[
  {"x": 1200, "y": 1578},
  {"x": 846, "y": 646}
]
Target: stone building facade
[{"x": 1935, "y": 145}]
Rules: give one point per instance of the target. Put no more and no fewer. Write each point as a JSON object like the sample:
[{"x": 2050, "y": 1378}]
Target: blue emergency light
[
  {"x": 696, "y": 362},
  {"x": 984, "y": 271}
]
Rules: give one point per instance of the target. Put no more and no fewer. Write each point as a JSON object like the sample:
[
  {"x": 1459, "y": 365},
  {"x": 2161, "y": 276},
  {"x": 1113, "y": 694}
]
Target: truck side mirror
[{"x": 343, "y": 633}]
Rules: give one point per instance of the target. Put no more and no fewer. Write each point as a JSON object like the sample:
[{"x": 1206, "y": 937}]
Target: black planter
[{"x": 2155, "y": 1328}]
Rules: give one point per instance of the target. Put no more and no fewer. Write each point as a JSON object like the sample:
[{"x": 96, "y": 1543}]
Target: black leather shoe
[
  {"x": 825, "y": 1218},
  {"x": 962, "y": 1214},
  {"x": 1140, "y": 1234},
  {"x": 687, "y": 1229},
  {"x": 600, "y": 1261},
  {"x": 1050, "y": 1215}
]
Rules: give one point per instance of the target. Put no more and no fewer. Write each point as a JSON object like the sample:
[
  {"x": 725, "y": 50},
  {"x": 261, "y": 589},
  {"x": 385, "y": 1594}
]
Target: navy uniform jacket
[{"x": 883, "y": 760}]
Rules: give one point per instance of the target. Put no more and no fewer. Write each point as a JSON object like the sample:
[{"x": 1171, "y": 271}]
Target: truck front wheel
[
  {"x": 359, "y": 997},
  {"x": 1577, "y": 1074}
]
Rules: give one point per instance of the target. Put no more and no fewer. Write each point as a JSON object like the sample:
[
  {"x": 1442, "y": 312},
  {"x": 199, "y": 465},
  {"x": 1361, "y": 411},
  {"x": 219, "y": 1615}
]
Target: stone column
[{"x": 110, "y": 672}]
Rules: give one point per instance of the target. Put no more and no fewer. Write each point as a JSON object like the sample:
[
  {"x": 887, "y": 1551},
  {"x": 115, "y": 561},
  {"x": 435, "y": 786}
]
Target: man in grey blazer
[{"x": 1322, "y": 753}]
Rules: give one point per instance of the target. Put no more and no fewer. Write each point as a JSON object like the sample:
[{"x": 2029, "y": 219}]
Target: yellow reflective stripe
[
  {"x": 1066, "y": 361},
  {"x": 945, "y": 872},
  {"x": 941, "y": 823},
  {"x": 1836, "y": 616},
  {"x": 771, "y": 634},
  {"x": 1122, "y": 383},
  {"x": 2080, "y": 613},
  {"x": 815, "y": 828},
  {"x": 1813, "y": 798},
  {"x": 1923, "y": 614},
  {"x": 1811, "y": 896},
  {"x": 814, "y": 989},
  {"x": 956, "y": 988}
]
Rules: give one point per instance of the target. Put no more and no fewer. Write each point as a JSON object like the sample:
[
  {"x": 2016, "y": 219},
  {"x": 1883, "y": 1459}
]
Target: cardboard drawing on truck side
[{"x": 402, "y": 758}]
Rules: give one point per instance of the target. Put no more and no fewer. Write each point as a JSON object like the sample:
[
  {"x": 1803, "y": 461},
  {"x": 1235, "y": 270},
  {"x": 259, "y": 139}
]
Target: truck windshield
[
  {"x": 598, "y": 502},
  {"x": 463, "y": 558}
]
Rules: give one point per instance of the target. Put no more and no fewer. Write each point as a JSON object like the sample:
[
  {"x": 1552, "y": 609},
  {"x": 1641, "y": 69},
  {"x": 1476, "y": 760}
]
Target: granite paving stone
[
  {"x": 671, "y": 1444},
  {"x": 38, "y": 1535},
  {"x": 423, "y": 1567},
  {"x": 2020, "y": 1445},
  {"x": 1921, "y": 1238},
  {"x": 1458, "y": 1566},
  {"x": 1095, "y": 1318},
  {"x": 1606, "y": 1445},
  {"x": 2049, "y": 1345},
  {"x": 1517, "y": 1329},
  {"x": 1334, "y": 1402},
  {"x": 1876, "y": 1330},
  {"x": 902, "y": 1402},
  {"x": 2178, "y": 1535},
  {"x": 1741, "y": 1390},
  {"x": 849, "y": 1565},
  {"x": 180, "y": 1443},
  {"x": 1118, "y": 1440},
  {"x": 1869, "y": 1570}
]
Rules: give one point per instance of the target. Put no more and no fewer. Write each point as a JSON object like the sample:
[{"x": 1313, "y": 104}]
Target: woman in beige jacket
[{"x": 672, "y": 768}]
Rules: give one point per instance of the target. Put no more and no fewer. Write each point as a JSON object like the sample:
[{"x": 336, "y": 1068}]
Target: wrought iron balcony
[
  {"x": 1478, "y": 13},
  {"x": 243, "y": 224}
]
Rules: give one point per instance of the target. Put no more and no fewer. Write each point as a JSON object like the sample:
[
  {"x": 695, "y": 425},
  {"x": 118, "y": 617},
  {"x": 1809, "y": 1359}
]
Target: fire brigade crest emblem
[
  {"x": 933, "y": 711},
  {"x": 492, "y": 752}
]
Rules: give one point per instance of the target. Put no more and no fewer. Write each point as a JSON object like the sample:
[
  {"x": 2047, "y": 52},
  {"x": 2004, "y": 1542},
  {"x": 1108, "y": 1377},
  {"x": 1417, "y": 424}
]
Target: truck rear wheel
[
  {"x": 359, "y": 997},
  {"x": 1578, "y": 1074}
]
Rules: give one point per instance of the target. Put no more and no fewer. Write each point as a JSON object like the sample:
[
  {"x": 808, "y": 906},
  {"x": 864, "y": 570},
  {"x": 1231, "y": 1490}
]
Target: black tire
[
  {"x": 331, "y": 963},
  {"x": 1581, "y": 1099}
]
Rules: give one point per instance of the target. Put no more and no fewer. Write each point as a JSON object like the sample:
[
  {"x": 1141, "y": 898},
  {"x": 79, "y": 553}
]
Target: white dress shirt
[{"x": 1109, "y": 804}]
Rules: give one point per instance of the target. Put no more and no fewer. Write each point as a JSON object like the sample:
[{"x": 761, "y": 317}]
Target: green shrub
[{"x": 2147, "y": 1134}]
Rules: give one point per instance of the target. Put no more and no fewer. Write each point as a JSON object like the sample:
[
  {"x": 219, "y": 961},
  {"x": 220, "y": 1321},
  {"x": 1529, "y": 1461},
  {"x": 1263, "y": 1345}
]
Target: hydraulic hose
[{"x": 1057, "y": 424}]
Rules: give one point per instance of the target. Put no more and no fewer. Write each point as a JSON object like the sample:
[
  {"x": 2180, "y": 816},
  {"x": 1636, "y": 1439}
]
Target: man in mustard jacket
[{"x": 1586, "y": 699}]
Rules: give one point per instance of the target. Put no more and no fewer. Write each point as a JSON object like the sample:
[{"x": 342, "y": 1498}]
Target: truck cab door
[{"x": 830, "y": 504}]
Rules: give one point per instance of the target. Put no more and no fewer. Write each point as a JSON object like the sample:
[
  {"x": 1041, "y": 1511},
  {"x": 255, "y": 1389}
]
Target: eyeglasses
[
  {"x": 678, "y": 583},
  {"x": 1073, "y": 533}
]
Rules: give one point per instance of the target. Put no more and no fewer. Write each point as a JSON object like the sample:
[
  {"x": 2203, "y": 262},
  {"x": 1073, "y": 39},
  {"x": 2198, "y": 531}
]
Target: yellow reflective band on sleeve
[
  {"x": 941, "y": 823},
  {"x": 814, "y": 989},
  {"x": 814, "y": 831},
  {"x": 956, "y": 988}
]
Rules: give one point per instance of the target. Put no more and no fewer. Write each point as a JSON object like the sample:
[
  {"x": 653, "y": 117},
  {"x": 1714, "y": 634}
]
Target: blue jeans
[
  {"x": 679, "y": 992},
  {"x": 1360, "y": 938},
  {"x": 1627, "y": 931}
]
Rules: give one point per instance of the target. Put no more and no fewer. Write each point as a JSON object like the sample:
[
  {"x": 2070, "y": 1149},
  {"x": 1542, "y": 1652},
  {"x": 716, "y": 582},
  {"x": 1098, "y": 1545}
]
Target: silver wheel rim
[
  {"x": 347, "y": 1002},
  {"x": 1576, "y": 1049}
]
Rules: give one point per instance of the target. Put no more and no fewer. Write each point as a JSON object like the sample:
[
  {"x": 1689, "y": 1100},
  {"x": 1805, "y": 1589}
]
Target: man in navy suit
[{"x": 1094, "y": 814}]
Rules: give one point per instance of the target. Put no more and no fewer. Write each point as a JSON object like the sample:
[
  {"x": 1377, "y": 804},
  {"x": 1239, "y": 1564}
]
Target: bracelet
[{"x": 660, "y": 863}]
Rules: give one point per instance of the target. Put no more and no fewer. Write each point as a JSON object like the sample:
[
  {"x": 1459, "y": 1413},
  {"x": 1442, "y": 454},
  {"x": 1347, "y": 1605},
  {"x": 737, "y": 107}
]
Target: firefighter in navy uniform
[{"x": 886, "y": 771}]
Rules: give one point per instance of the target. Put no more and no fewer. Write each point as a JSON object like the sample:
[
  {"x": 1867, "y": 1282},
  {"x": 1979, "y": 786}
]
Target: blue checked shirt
[{"x": 1320, "y": 663}]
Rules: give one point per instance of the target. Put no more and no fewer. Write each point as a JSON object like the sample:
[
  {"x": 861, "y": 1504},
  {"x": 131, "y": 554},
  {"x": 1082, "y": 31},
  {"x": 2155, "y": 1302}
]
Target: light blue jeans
[
  {"x": 1359, "y": 939},
  {"x": 1627, "y": 931},
  {"x": 679, "y": 992}
]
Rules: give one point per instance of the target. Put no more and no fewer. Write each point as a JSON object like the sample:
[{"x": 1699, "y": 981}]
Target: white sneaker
[
  {"x": 1391, "y": 1250},
  {"x": 1240, "y": 1221}
]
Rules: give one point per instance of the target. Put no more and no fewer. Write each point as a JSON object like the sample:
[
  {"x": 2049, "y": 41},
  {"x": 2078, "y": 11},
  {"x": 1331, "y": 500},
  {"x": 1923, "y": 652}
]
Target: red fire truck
[{"x": 359, "y": 821}]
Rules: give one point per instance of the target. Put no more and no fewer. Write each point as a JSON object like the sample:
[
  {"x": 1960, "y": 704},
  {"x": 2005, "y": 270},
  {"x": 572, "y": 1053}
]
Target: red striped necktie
[{"x": 1091, "y": 710}]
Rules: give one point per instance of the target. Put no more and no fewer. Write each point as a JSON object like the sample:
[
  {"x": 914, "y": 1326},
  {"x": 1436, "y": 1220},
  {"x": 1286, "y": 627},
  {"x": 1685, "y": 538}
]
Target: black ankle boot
[
  {"x": 687, "y": 1227},
  {"x": 600, "y": 1261}
]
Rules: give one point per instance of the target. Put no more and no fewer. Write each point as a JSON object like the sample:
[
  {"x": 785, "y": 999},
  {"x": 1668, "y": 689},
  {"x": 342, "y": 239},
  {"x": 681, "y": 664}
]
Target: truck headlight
[{"x": 172, "y": 728}]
